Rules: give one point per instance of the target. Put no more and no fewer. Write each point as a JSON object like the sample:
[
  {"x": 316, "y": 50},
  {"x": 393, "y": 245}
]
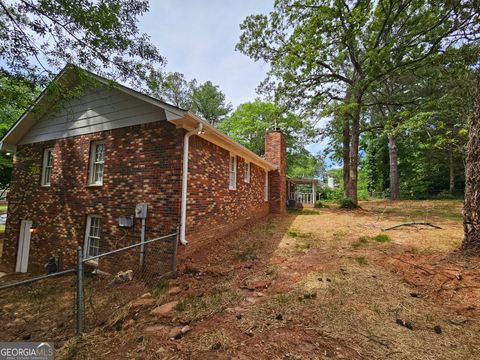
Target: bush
[
  {"x": 347, "y": 203},
  {"x": 320, "y": 205},
  {"x": 330, "y": 194}
]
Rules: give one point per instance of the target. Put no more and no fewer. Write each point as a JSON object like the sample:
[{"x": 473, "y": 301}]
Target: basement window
[
  {"x": 232, "y": 185},
  {"x": 47, "y": 167},
  {"x": 92, "y": 235},
  {"x": 246, "y": 172},
  {"x": 97, "y": 157}
]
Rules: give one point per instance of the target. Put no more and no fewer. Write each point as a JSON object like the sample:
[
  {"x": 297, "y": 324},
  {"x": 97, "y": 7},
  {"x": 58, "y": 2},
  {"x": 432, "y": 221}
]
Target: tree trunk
[
  {"x": 393, "y": 155},
  {"x": 471, "y": 208},
  {"x": 355, "y": 138},
  {"x": 346, "y": 155},
  {"x": 451, "y": 166}
]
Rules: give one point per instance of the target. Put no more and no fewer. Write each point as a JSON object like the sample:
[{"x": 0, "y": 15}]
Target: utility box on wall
[
  {"x": 141, "y": 211},
  {"x": 125, "y": 221}
]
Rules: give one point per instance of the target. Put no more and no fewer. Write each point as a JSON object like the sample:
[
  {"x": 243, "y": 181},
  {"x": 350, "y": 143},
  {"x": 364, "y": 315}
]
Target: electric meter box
[
  {"x": 125, "y": 221},
  {"x": 141, "y": 211}
]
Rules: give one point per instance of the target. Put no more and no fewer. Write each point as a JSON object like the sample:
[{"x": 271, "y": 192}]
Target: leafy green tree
[
  {"x": 38, "y": 37},
  {"x": 209, "y": 102},
  {"x": 321, "y": 51},
  {"x": 250, "y": 121},
  {"x": 17, "y": 95},
  {"x": 174, "y": 89}
]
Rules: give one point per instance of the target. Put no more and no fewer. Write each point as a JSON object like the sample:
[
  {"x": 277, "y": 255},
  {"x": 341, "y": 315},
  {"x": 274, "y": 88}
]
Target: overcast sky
[{"x": 198, "y": 39}]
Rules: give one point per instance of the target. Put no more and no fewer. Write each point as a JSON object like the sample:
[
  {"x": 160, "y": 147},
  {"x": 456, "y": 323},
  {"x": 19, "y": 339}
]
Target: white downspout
[{"x": 183, "y": 219}]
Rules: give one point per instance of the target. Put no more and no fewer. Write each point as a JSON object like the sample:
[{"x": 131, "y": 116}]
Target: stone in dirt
[
  {"x": 186, "y": 329},
  {"x": 260, "y": 284},
  {"x": 146, "y": 296},
  {"x": 156, "y": 330},
  {"x": 174, "y": 291},
  {"x": 142, "y": 302},
  {"x": 176, "y": 333},
  {"x": 164, "y": 310}
]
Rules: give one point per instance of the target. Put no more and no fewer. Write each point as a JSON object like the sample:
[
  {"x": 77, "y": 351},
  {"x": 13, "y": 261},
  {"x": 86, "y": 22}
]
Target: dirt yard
[{"x": 317, "y": 284}]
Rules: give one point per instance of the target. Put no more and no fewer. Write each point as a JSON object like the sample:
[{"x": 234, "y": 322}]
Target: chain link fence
[
  {"x": 113, "y": 279},
  {"x": 58, "y": 306}
]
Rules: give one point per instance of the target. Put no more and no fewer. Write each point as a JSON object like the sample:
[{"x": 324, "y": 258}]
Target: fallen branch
[{"x": 410, "y": 223}]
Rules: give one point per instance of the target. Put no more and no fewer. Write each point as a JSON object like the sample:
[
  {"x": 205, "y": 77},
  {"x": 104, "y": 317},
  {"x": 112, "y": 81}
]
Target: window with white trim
[
  {"x": 97, "y": 158},
  {"x": 47, "y": 167},
  {"x": 266, "y": 187},
  {"x": 232, "y": 185},
  {"x": 93, "y": 235},
  {"x": 246, "y": 172}
]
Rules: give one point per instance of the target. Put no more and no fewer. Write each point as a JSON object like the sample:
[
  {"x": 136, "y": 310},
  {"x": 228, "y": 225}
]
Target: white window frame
[
  {"x": 89, "y": 237},
  {"x": 232, "y": 172},
  {"x": 46, "y": 167},
  {"x": 247, "y": 172},
  {"x": 94, "y": 163},
  {"x": 265, "y": 190}
]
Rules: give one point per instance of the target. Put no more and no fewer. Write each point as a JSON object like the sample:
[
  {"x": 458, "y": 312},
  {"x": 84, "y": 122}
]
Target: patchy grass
[
  {"x": 216, "y": 340},
  {"x": 303, "y": 212},
  {"x": 2, "y": 228},
  {"x": 161, "y": 288},
  {"x": 382, "y": 238},
  {"x": 193, "y": 307},
  {"x": 247, "y": 253},
  {"x": 3, "y": 208},
  {"x": 361, "y": 260}
]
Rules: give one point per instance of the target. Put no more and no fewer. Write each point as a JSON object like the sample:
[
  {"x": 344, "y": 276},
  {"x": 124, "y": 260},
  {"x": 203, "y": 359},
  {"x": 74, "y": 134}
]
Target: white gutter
[{"x": 183, "y": 219}]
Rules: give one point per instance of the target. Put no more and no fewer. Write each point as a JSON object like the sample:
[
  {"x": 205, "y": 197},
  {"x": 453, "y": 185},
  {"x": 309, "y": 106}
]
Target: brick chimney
[{"x": 276, "y": 153}]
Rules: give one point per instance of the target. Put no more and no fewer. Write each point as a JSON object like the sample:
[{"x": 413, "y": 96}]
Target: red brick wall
[
  {"x": 275, "y": 152},
  {"x": 142, "y": 164},
  {"x": 212, "y": 209}
]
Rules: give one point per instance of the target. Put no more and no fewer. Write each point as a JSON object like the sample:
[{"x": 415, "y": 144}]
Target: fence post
[
  {"x": 79, "y": 306},
  {"x": 175, "y": 245}
]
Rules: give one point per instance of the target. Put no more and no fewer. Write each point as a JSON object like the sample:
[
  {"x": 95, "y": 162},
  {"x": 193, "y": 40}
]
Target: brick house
[{"x": 82, "y": 163}]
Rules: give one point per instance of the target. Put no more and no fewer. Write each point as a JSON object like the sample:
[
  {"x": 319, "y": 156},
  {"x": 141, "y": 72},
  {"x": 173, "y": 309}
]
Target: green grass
[
  {"x": 3, "y": 208},
  {"x": 2, "y": 228},
  {"x": 303, "y": 212},
  {"x": 382, "y": 238}
]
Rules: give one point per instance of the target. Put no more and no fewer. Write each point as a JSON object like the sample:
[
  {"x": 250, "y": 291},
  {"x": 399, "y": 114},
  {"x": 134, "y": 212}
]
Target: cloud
[{"x": 198, "y": 39}]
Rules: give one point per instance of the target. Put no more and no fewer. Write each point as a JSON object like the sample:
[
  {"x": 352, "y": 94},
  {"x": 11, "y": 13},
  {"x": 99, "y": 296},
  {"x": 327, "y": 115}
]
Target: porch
[{"x": 301, "y": 192}]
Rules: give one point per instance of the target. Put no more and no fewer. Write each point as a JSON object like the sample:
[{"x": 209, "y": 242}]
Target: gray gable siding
[{"x": 99, "y": 109}]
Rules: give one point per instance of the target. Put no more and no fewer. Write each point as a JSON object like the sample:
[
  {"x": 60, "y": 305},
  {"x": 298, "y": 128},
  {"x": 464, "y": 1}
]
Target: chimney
[{"x": 276, "y": 153}]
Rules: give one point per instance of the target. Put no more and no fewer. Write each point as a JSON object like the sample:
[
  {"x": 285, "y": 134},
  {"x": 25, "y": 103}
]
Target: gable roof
[{"x": 180, "y": 117}]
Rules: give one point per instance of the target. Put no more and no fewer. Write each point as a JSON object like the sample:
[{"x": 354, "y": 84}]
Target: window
[
  {"x": 246, "y": 172},
  {"x": 97, "y": 157},
  {"x": 266, "y": 186},
  {"x": 47, "y": 167},
  {"x": 92, "y": 235},
  {"x": 233, "y": 172}
]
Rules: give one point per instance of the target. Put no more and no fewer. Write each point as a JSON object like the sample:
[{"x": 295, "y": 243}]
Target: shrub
[
  {"x": 320, "y": 205},
  {"x": 347, "y": 203},
  {"x": 330, "y": 194}
]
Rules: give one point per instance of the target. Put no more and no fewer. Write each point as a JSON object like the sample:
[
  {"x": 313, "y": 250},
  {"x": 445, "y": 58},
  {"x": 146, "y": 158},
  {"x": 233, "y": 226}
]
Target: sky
[{"x": 198, "y": 39}]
